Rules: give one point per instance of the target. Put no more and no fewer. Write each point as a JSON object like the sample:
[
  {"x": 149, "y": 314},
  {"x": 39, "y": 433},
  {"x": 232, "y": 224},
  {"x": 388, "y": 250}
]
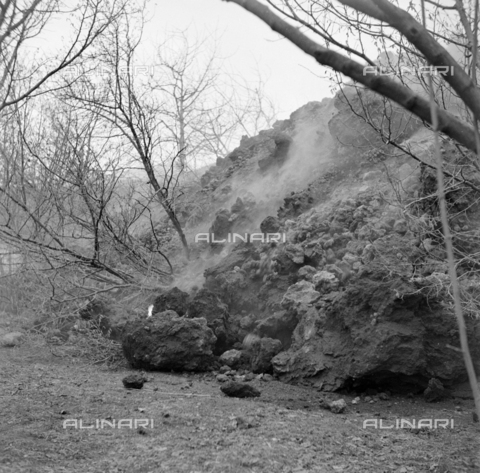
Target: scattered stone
[
  {"x": 337, "y": 407},
  {"x": 222, "y": 378},
  {"x": 384, "y": 396},
  {"x": 244, "y": 423},
  {"x": 249, "y": 376},
  {"x": 356, "y": 400},
  {"x": 232, "y": 358},
  {"x": 435, "y": 391},
  {"x": 224, "y": 369},
  {"x": 335, "y": 341},
  {"x": 267, "y": 377},
  {"x": 11, "y": 339},
  {"x": 240, "y": 390},
  {"x": 133, "y": 381}
]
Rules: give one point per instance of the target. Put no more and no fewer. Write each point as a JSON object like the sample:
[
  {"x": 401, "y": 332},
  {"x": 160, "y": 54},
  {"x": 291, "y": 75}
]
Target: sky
[{"x": 249, "y": 47}]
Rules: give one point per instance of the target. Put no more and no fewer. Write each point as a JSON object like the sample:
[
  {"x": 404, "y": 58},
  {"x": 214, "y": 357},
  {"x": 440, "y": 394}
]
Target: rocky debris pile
[
  {"x": 339, "y": 304},
  {"x": 168, "y": 342},
  {"x": 339, "y": 317},
  {"x": 350, "y": 300}
]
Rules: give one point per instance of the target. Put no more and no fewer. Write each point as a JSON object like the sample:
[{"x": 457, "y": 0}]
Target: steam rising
[{"x": 309, "y": 156}]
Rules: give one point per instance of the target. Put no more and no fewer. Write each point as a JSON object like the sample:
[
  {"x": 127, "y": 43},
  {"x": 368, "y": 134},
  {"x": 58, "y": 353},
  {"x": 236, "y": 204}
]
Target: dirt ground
[{"x": 197, "y": 429}]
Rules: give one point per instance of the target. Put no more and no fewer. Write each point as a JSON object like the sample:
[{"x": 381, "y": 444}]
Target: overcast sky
[
  {"x": 246, "y": 44},
  {"x": 292, "y": 77}
]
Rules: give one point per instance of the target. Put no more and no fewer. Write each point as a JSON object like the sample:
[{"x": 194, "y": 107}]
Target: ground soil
[{"x": 197, "y": 429}]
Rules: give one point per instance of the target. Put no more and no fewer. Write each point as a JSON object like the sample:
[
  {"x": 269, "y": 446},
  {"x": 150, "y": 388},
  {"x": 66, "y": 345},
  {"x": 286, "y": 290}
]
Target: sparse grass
[
  {"x": 27, "y": 306},
  {"x": 90, "y": 344}
]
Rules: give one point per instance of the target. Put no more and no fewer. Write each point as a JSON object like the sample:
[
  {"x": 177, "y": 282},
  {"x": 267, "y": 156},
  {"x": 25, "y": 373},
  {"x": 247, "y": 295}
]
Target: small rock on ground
[
  {"x": 241, "y": 390},
  {"x": 11, "y": 339},
  {"x": 337, "y": 407},
  {"x": 133, "y": 381},
  {"x": 435, "y": 391}
]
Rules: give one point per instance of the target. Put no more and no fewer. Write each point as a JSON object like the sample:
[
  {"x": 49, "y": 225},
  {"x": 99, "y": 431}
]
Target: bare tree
[
  {"x": 21, "y": 22},
  {"x": 73, "y": 215},
  {"x": 126, "y": 109},
  {"x": 202, "y": 109},
  {"x": 173, "y": 112}
]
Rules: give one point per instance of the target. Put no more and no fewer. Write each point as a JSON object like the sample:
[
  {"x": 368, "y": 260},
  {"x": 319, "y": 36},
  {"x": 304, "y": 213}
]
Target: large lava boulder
[
  {"x": 174, "y": 299},
  {"x": 208, "y": 305},
  {"x": 380, "y": 331},
  {"x": 167, "y": 342}
]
